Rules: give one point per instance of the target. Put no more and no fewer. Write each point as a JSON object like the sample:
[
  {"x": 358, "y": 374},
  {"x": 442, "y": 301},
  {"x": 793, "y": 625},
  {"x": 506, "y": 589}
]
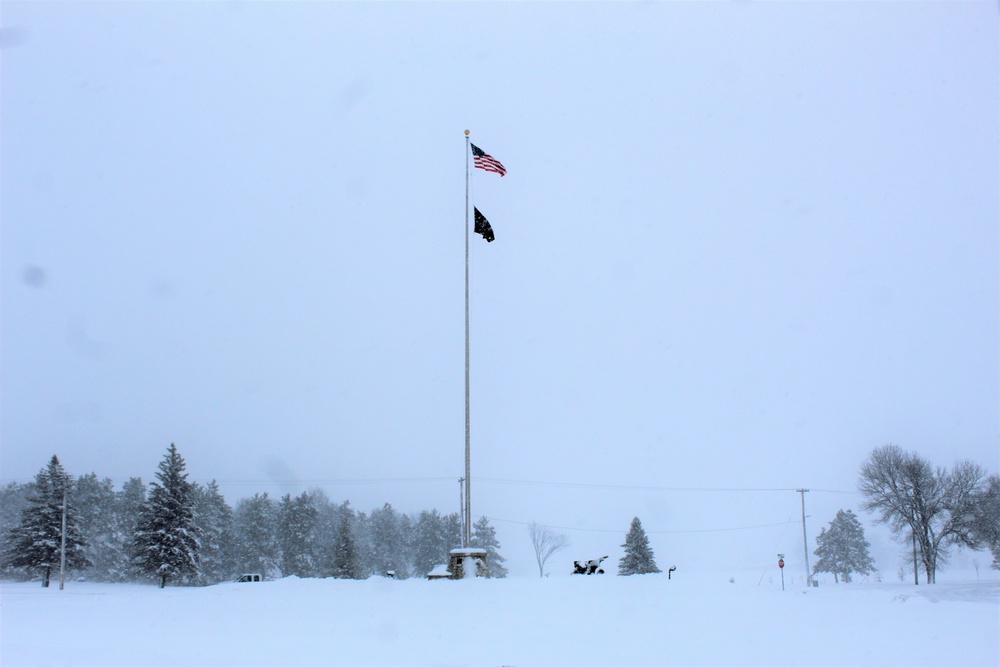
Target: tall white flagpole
[{"x": 467, "y": 528}]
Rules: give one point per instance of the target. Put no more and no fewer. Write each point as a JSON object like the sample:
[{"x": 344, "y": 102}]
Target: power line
[
  {"x": 633, "y": 487},
  {"x": 293, "y": 482},
  {"x": 650, "y": 532},
  {"x": 320, "y": 482}
]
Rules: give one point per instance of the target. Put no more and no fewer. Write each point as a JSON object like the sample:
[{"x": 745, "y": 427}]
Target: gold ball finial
[{"x": 466, "y": 133}]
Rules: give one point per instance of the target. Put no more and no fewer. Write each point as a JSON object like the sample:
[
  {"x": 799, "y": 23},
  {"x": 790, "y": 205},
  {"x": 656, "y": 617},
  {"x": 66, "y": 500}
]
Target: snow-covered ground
[{"x": 562, "y": 620}]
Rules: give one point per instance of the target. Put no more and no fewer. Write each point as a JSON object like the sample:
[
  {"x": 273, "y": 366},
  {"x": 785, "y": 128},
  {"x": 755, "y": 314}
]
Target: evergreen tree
[
  {"x": 13, "y": 499},
  {"x": 638, "y": 558},
  {"x": 484, "y": 536},
  {"x": 843, "y": 549},
  {"x": 345, "y": 555},
  {"x": 296, "y": 535},
  {"x": 256, "y": 537},
  {"x": 407, "y": 550},
  {"x": 166, "y": 539},
  {"x": 451, "y": 525},
  {"x": 364, "y": 546},
  {"x": 127, "y": 511},
  {"x": 37, "y": 542},
  {"x": 326, "y": 532},
  {"x": 214, "y": 520},
  {"x": 388, "y": 542},
  {"x": 94, "y": 500},
  {"x": 431, "y": 542}
]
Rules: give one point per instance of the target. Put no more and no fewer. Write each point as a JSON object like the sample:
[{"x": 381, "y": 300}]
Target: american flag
[{"x": 485, "y": 161}]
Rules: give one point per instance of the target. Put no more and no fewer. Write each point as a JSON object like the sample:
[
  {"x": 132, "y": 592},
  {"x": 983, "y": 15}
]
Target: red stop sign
[{"x": 781, "y": 562}]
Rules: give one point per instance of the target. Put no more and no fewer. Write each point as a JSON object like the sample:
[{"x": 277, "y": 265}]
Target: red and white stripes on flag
[{"x": 483, "y": 160}]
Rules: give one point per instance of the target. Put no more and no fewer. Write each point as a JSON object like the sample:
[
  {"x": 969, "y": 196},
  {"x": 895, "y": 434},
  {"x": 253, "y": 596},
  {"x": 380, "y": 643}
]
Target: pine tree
[
  {"x": 256, "y": 537},
  {"x": 407, "y": 550},
  {"x": 484, "y": 536},
  {"x": 638, "y": 558},
  {"x": 451, "y": 525},
  {"x": 166, "y": 540},
  {"x": 214, "y": 520},
  {"x": 345, "y": 556},
  {"x": 296, "y": 535},
  {"x": 127, "y": 511},
  {"x": 843, "y": 549},
  {"x": 326, "y": 532},
  {"x": 434, "y": 536},
  {"x": 388, "y": 540},
  {"x": 364, "y": 546},
  {"x": 13, "y": 500},
  {"x": 94, "y": 500},
  {"x": 37, "y": 542}
]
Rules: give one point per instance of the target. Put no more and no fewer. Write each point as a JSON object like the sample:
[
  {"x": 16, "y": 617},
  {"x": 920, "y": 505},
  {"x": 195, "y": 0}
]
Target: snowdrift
[{"x": 609, "y": 620}]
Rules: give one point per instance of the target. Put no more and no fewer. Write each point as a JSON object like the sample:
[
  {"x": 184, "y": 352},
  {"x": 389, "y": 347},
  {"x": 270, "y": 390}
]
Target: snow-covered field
[{"x": 609, "y": 620}]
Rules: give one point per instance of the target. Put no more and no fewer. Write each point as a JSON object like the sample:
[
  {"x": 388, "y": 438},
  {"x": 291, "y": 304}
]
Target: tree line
[
  {"x": 181, "y": 532},
  {"x": 184, "y": 532}
]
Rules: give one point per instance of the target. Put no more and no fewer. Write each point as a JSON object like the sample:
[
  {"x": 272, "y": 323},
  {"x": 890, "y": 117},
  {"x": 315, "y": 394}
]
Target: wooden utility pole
[{"x": 805, "y": 542}]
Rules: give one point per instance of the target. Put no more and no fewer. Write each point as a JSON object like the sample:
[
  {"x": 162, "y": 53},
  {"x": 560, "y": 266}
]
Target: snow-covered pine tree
[
  {"x": 128, "y": 509},
  {"x": 166, "y": 539},
  {"x": 638, "y": 558},
  {"x": 94, "y": 500},
  {"x": 407, "y": 549},
  {"x": 364, "y": 546},
  {"x": 296, "y": 535},
  {"x": 388, "y": 543},
  {"x": 434, "y": 537},
  {"x": 345, "y": 556},
  {"x": 452, "y": 525},
  {"x": 214, "y": 519},
  {"x": 13, "y": 499},
  {"x": 484, "y": 536},
  {"x": 427, "y": 547},
  {"x": 255, "y": 535},
  {"x": 842, "y": 549},
  {"x": 36, "y": 543},
  {"x": 287, "y": 538},
  {"x": 325, "y": 534}
]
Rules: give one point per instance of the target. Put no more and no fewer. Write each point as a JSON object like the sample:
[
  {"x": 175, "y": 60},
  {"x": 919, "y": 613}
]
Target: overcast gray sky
[{"x": 738, "y": 246}]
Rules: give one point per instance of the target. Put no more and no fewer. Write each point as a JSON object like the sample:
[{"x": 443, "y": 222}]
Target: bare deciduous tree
[
  {"x": 933, "y": 506},
  {"x": 546, "y": 542}
]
